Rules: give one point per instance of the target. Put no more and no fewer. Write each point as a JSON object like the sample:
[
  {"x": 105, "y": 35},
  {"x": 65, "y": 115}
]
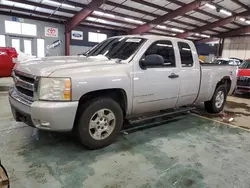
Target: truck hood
[{"x": 46, "y": 66}]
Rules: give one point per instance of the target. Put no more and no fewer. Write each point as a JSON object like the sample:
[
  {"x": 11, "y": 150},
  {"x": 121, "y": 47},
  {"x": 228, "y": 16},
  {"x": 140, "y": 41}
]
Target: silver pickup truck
[{"x": 122, "y": 77}]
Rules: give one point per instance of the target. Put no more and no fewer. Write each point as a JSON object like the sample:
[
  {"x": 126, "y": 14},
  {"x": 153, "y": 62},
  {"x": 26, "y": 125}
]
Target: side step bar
[{"x": 161, "y": 114}]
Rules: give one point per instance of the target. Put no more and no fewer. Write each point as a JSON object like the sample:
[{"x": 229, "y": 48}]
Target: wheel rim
[
  {"x": 102, "y": 124},
  {"x": 219, "y": 100}
]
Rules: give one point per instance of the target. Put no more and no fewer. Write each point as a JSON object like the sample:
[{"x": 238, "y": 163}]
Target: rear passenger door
[
  {"x": 156, "y": 87},
  {"x": 189, "y": 73}
]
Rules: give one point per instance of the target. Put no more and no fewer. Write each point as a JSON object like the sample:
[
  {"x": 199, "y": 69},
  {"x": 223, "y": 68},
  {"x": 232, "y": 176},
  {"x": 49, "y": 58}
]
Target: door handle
[{"x": 173, "y": 75}]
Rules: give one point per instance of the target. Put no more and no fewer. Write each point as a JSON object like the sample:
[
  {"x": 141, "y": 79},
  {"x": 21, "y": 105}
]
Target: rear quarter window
[{"x": 185, "y": 54}]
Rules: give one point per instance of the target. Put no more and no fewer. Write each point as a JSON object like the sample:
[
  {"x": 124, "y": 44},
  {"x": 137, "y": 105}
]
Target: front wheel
[
  {"x": 216, "y": 104},
  {"x": 99, "y": 123}
]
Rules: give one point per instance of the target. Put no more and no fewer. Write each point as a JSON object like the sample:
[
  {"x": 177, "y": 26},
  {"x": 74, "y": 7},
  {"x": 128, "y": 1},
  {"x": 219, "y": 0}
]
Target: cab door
[
  {"x": 156, "y": 87},
  {"x": 189, "y": 73}
]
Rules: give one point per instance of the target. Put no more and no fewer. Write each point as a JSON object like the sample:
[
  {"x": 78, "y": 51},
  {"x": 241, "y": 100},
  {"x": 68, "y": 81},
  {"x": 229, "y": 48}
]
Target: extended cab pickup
[
  {"x": 8, "y": 58},
  {"x": 121, "y": 77}
]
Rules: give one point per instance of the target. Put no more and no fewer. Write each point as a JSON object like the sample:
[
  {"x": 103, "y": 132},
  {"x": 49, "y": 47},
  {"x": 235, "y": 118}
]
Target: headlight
[{"x": 54, "y": 89}]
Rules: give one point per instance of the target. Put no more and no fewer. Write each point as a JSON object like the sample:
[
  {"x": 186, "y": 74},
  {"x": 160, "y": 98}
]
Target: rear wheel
[
  {"x": 216, "y": 104},
  {"x": 99, "y": 123}
]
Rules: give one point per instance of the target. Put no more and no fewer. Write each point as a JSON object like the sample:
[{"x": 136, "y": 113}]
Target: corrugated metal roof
[{"x": 132, "y": 13}]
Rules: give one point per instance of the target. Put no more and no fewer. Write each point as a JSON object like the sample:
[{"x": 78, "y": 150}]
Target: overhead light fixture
[
  {"x": 202, "y": 35},
  {"x": 101, "y": 20},
  {"x": 5, "y": 2},
  {"x": 51, "y": 2},
  {"x": 210, "y": 6},
  {"x": 58, "y": 4},
  {"x": 177, "y": 30},
  {"x": 205, "y": 36},
  {"x": 103, "y": 14},
  {"x": 161, "y": 26},
  {"x": 96, "y": 20},
  {"x": 132, "y": 20},
  {"x": 225, "y": 12},
  {"x": 91, "y": 19},
  {"x": 242, "y": 19},
  {"x": 67, "y": 5},
  {"x": 248, "y": 21}
]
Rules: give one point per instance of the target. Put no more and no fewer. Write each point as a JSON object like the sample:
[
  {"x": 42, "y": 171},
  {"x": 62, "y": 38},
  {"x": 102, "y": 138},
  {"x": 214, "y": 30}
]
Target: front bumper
[
  {"x": 242, "y": 89},
  {"x": 46, "y": 115}
]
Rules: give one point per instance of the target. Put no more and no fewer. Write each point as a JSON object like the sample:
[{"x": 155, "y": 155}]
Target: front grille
[
  {"x": 24, "y": 84},
  {"x": 243, "y": 81}
]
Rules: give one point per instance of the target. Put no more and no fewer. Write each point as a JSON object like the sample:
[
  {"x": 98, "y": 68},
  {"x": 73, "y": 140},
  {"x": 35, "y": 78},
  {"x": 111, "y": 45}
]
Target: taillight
[{"x": 14, "y": 59}]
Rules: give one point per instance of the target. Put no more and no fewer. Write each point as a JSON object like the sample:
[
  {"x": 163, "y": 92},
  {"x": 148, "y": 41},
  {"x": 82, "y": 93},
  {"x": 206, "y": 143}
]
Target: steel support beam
[
  {"x": 178, "y": 12},
  {"x": 213, "y": 25},
  {"x": 143, "y": 12},
  {"x": 104, "y": 26},
  {"x": 45, "y": 6},
  {"x": 81, "y": 15},
  {"x": 199, "y": 11},
  {"x": 33, "y": 17},
  {"x": 33, "y": 12},
  {"x": 235, "y": 32},
  {"x": 241, "y": 4},
  {"x": 67, "y": 43}
]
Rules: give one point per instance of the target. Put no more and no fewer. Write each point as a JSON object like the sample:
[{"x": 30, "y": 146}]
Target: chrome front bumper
[{"x": 46, "y": 115}]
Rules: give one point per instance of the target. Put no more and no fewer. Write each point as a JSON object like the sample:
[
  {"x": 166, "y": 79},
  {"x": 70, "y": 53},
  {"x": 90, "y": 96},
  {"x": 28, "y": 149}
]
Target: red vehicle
[
  {"x": 243, "y": 81},
  {"x": 8, "y": 58}
]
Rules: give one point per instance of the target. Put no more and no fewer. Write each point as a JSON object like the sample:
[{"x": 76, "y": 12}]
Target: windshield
[
  {"x": 117, "y": 48},
  {"x": 223, "y": 62},
  {"x": 245, "y": 65}
]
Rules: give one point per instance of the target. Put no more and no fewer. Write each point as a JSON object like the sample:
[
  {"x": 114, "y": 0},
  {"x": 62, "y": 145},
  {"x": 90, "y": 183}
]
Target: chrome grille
[
  {"x": 243, "y": 81},
  {"x": 24, "y": 84}
]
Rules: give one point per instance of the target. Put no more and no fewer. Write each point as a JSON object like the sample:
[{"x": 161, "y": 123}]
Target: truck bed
[
  {"x": 214, "y": 64},
  {"x": 211, "y": 74}
]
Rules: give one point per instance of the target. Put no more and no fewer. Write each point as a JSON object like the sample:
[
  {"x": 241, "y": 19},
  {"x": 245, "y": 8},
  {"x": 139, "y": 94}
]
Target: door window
[
  {"x": 15, "y": 43},
  {"x": 27, "y": 47},
  {"x": 164, "y": 49},
  {"x": 186, "y": 54}
]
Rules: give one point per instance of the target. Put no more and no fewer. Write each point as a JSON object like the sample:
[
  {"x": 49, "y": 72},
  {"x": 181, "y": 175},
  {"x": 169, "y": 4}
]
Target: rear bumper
[{"x": 53, "y": 116}]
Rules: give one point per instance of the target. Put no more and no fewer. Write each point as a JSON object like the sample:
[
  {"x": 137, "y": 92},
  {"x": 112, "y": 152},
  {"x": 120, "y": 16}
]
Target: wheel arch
[
  {"x": 117, "y": 94},
  {"x": 226, "y": 80}
]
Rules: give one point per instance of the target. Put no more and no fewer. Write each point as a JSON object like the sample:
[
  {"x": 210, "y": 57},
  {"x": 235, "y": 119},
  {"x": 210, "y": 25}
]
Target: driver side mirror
[{"x": 152, "y": 60}]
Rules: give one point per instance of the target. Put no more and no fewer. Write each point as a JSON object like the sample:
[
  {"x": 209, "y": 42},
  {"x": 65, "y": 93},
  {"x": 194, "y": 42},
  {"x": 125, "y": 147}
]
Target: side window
[
  {"x": 186, "y": 54},
  {"x": 164, "y": 49}
]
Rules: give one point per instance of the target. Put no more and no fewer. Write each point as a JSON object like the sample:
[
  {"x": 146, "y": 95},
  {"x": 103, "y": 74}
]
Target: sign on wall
[
  {"x": 51, "y": 32},
  {"x": 77, "y": 35},
  {"x": 54, "y": 44},
  {"x": 16, "y": 19}
]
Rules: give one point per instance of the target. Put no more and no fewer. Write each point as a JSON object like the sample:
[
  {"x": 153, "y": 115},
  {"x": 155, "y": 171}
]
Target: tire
[
  {"x": 100, "y": 134},
  {"x": 213, "y": 107}
]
